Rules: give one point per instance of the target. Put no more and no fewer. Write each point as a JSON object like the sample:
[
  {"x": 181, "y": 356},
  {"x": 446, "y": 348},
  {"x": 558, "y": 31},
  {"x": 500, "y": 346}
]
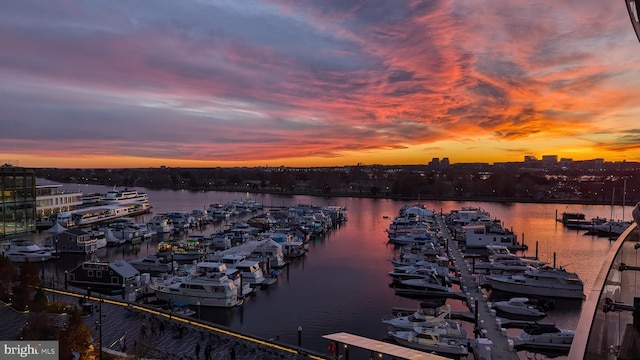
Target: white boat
[
  {"x": 501, "y": 254},
  {"x": 294, "y": 249},
  {"x": 448, "y": 339},
  {"x": 419, "y": 318},
  {"x": 544, "y": 281},
  {"x": 518, "y": 306},
  {"x": 268, "y": 252},
  {"x": 250, "y": 270},
  {"x": 96, "y": 214},
  {"x": 20, "y": 250},
  {"x": 100, "y": 237},
  {"x": 547, "y": 337},
  {"x": 125, "y": 196},
  {"x": 420, "y": 270},
  {"x": 153, "y": 263},
  {"x": 111, "y": 239},
  {"x": 432, "y": 283},
  {"x": 428, "y": 252},
  {"x": 179, "y": 308},
  {"x": 160, "y": 224},
  {"x": 611, "y": 228},
  {"x": 219, "y": 269},
  {"x": 202, "y": 286}
]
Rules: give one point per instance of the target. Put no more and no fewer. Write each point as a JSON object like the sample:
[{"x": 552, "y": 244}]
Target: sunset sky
[{"x": 199, "y": 83}]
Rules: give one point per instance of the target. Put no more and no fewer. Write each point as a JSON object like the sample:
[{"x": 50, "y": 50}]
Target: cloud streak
[{"x": 314, "y": 83}]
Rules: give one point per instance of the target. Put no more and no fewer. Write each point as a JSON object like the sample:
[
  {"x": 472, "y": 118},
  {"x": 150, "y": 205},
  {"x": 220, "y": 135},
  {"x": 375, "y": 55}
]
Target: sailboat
[{"x": 613, "y": 228}]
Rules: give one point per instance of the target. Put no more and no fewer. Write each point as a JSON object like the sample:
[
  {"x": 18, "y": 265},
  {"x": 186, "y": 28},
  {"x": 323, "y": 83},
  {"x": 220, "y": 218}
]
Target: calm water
[{"x": 342, "y": 283}]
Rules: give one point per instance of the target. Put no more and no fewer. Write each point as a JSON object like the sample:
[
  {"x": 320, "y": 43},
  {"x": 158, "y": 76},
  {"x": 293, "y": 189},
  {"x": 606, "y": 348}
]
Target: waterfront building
[
  {"x": 50, "y": 201},
  {"x": 72, "y": 241},
  {"x": 17, "y": 201}
]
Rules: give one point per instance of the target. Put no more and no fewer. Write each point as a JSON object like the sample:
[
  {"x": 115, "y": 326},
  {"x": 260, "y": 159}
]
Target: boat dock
[{"x": 487, "y": 324}]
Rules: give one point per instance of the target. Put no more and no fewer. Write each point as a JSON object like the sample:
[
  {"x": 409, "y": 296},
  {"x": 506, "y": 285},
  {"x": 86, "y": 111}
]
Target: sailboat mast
[
  {"x": 613, "y": 196},
  {"x": 624, "y": 194}
]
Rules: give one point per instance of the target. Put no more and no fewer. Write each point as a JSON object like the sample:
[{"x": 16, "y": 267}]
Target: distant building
[
  {"x": 18, "y": 201},
  {"x": 50, "y": 200},
  {"x": 549, "y": 161}
]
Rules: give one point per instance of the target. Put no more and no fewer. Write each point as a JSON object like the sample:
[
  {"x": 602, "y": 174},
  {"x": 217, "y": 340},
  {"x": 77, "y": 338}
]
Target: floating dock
[{"x": 496, "y": 346}]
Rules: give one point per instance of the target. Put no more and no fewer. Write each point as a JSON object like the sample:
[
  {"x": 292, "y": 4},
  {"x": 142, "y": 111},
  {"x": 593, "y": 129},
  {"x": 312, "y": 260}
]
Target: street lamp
[
  {"x": 42, "y": 267},
  {"x": 99, "y": 323}
]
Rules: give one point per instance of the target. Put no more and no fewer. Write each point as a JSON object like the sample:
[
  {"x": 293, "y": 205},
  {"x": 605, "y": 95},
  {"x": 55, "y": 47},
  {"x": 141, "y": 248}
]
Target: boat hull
[
  {"x": 194, "y": 299},
  {"x": 405, "y": 338},
  {"x": 533, "y": 290}
]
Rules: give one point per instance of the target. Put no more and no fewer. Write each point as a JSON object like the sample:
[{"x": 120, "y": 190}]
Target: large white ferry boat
[
  {"x": 96, "y": 214},
  {"x": 125, "y": 196}
]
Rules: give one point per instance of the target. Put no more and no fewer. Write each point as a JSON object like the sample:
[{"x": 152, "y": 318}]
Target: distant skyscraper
[{"x": 549, "y": 161}]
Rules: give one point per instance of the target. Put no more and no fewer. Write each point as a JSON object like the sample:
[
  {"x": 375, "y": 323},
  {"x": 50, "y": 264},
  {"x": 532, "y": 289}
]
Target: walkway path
[
  {"x": 488, "y": 327},
  {"x": 156, "y": 335}
]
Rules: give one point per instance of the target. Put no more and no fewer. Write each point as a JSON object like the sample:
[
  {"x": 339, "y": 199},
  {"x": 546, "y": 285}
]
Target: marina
[{"x": 326, "y": 259}]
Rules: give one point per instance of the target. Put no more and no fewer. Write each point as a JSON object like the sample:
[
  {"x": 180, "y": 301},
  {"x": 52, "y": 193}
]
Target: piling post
[
  {"x": 476, "y": 327},
  {"x": 554, "y": 259},
  {"x": 300, "y": 335},
  {"x": 636, "y": 312},
  {"x": 537, "y": 250}
]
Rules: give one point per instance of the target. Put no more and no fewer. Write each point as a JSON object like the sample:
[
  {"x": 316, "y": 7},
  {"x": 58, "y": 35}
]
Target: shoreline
[{"x": 410, "y": 198}]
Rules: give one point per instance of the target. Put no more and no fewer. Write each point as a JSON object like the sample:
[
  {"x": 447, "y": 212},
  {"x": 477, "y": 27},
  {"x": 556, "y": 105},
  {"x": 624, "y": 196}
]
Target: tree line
[{"x": 402, "y": 182}]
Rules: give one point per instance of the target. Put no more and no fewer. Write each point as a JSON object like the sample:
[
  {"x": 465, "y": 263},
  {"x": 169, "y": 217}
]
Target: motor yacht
[
  {"x": 250, "y": 270},
  {"x": 154, "y": 264},
  {"x": 448, "y": 339},
  {"x": 428, "y": 284},
  {"x": 546, "y": 337},
  {"x": 21, "y": 250},
  {"x": 546, "y": 281},
  {"x": 420, "y": 270},
  {"x": 519, "y": 306},
  {"x": 421, "y": 317},
  {"x": 204, "y": 286}
]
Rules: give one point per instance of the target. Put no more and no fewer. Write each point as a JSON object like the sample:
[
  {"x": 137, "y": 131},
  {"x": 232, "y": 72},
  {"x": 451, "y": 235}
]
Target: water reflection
[{"x": 342, "y": 284}]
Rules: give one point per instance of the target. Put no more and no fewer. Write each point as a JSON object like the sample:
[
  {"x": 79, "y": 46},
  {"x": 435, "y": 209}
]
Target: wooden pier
[{"x": 486, "y": 327}]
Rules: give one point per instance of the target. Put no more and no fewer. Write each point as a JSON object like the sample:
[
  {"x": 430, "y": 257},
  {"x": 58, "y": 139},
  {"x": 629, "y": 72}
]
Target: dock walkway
[
  {"x": 163, "y": 336},
  {"x": 487, "y": 325}
]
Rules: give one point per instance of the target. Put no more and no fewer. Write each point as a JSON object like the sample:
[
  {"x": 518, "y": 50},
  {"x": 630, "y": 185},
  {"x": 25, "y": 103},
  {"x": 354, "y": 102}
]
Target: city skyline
[{"x": 232, "y": 83}]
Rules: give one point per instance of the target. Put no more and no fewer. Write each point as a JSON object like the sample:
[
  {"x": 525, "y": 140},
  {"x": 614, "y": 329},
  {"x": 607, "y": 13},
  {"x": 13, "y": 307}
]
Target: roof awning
[{"x": 381, "y": 347}]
